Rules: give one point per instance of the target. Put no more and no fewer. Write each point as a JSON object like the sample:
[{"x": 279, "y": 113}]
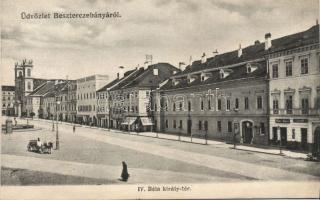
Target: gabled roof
[
  {"x": 48, "y": 88},
  {"x": 134, "y": 75},
  {"x": 8, "y": 88},
  {"x": 238, "y": 72},
  {"x": 117, "y": 81},
  {"x": 256, "y": 51},
  {"x": 310, "y": 36},
  {"x": 165, "y": 70},
  {"x": 42, "y": 89}
]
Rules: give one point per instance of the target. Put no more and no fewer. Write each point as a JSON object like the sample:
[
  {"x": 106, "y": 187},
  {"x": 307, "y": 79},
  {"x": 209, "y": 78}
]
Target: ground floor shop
[
  {"x": 244, "y": 129},
  {"x": 8, "y": 111},
  {"x": 133, "y": 123},
  {"x": 103, "y": 120},
  {"x": 296, "y": 133},
  {"x": 87, "y": 120}
]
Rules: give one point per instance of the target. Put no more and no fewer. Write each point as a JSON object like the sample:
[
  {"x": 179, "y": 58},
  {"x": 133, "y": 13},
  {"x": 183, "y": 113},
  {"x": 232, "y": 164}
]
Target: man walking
[{"x": 74, "y": 128}]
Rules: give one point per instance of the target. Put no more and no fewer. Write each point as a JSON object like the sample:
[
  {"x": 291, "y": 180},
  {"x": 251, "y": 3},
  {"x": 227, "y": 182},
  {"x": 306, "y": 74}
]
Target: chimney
[
  {"x": 182, "y": 66},
  {"x": 121, "y": 72},
  {"x": 267, "y": 44},
  {"x": 256, "y": 42},
  {"x": 117, "y": 75},
  {"x": 239, "y": 51},
  {"x": 203, "y": 58},
  {"x": 190, "y": 60},
  {"x": 155, "y": 71}
]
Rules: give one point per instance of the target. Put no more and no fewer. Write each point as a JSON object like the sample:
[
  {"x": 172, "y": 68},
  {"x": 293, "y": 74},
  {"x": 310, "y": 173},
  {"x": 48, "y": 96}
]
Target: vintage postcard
[{"x": 160, "y": 99}]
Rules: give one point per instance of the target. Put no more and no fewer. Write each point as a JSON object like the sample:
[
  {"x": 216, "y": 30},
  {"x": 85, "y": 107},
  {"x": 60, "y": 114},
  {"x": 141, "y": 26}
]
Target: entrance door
[
  {"x": 247, "y": 132},
  {"x": 283, "y": 136},
  {"x": 274, "y": 135},
  {"x": 189, "y": 126},
  {"x": 304, "y": 138},
  {"x": 316, "y": 144}
]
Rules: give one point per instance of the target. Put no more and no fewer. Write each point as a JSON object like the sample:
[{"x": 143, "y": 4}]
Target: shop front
[{"x": 293, "y": 133}]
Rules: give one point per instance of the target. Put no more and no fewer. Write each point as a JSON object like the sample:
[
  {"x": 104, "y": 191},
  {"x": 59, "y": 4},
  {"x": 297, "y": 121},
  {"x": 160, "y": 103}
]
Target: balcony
[{"x": 296, "y": 111}]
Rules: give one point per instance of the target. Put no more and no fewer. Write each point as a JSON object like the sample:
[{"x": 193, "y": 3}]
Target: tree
[{"x": 32, "y": 114}]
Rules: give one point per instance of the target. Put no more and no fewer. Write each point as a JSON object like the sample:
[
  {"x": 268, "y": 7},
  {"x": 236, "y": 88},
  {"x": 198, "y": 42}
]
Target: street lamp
[
  {"x": 217, "y": 98},
  {"x": 189, "y": 118},
  {"x": 57, "y": 131},
  {"x": 279, "y": 134},
  {"x": 129, "y": 128}
]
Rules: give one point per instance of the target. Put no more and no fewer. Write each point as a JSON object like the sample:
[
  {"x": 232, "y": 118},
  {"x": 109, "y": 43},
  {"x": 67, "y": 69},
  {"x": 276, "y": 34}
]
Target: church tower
[{"x": 23, "y": 84}]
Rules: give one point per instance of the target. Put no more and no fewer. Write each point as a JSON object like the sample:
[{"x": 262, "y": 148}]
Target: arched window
[
  {"x": 29, "y": 86},
  {"x": 28, "y": 72},
  {"x": 20, "y": 73}
]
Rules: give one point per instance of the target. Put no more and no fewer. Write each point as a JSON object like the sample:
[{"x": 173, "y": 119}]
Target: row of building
[{"x": 267, "y": 93}]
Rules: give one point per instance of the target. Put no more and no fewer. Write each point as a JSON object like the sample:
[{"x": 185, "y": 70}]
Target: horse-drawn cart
[{"x": 44, "y": 148}]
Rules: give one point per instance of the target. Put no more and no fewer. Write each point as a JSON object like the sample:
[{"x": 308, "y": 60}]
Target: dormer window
[
  {"x": 175, "y": 82},
  {"x": 251, "y": 68},
  {"x": 204, "y": 76},
  {"x": 224, "y": 73},
  {"x": 191, "y": 78}
]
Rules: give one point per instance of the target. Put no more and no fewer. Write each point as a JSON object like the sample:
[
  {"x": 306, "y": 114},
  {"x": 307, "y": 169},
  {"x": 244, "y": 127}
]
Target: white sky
[{"x": 170, "y": 30}]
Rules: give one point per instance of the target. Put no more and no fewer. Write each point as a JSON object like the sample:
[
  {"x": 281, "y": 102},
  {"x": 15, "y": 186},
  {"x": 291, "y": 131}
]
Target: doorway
[
  {"x": 283, "y": 136},
  {"x": 247, "y": 132},
  {"x": 189, "y": 126},
  {"x": 316, "y": 144},
  {"x": 304, "y": 138}
]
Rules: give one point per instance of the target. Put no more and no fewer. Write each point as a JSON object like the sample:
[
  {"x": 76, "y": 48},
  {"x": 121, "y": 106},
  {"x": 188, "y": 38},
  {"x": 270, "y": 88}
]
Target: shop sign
[
  {"x": 283, "y": 121},
  {"x": 300, "y": 120}
]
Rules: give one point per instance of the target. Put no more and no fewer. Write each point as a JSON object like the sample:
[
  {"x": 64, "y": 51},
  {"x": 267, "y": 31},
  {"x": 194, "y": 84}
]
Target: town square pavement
[{"x": 97, "y": 153}]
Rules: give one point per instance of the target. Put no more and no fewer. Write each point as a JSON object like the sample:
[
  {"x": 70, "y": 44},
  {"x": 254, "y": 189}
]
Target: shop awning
[
  {"x": 146, "y": 121},
  {"x": 129, "y": 121}
]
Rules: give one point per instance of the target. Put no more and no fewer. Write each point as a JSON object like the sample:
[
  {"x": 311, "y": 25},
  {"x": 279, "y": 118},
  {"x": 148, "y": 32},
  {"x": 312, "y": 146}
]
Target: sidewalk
[{"x": 201, "y": 141}]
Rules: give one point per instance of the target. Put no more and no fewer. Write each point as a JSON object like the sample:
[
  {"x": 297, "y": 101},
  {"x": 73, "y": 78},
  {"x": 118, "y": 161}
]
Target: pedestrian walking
[
  {"x": 74, "y": 128},
  {"x": 124, "y": 174}
]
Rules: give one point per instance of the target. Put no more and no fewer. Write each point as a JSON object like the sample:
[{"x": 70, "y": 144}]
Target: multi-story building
[
  {"x": 36, "y": 101},
  {"x": 217, "y": 98},
  {"x": 130, "y": 99},
  {"x": 8, "y": 95},
  {"x": 49, "y": 105},
  {"x": 86, "y": 98},
  {"x": 67, "y": 101},
  {"x": 103, "y": 97},
  {"x": 294, "y": 68}
]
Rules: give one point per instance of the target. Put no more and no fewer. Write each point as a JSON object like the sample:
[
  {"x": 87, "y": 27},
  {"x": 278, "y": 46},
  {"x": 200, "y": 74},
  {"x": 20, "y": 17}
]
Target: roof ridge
[{"x": 145, "y": 70}]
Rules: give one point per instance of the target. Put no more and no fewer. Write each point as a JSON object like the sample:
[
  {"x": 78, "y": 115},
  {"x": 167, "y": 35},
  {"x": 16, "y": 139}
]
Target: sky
[{"x": 170, "y": 30}]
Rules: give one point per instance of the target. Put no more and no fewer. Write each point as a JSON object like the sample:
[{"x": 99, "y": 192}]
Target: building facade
[
  {"x": 217, "y": 98},
  {"x": 66, "y": 97},
  {"x": 131, "y": 98},
  {"x": 295, "y": 91},
  {"x": 87, "y": 88},
  {"x": 8, "y": 96},
  {"x": 37, "y": 103}
]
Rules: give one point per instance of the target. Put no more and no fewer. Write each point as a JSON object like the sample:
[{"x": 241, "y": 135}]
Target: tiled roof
[
  {"x": 256, "y": 51},
  {"x": 165, "y": 70},
  {"x": 238, "y": 72},
  {"x": 253, "y": 53},
  {"x": 8, "y": 88},
  {"x": 117, "y": 80},
  {"x": 310, "y": 36},
  {"x": 43, "y": 89},
  {"x": 134, "y": 75},
  {"x": 48, "y": 88}
]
